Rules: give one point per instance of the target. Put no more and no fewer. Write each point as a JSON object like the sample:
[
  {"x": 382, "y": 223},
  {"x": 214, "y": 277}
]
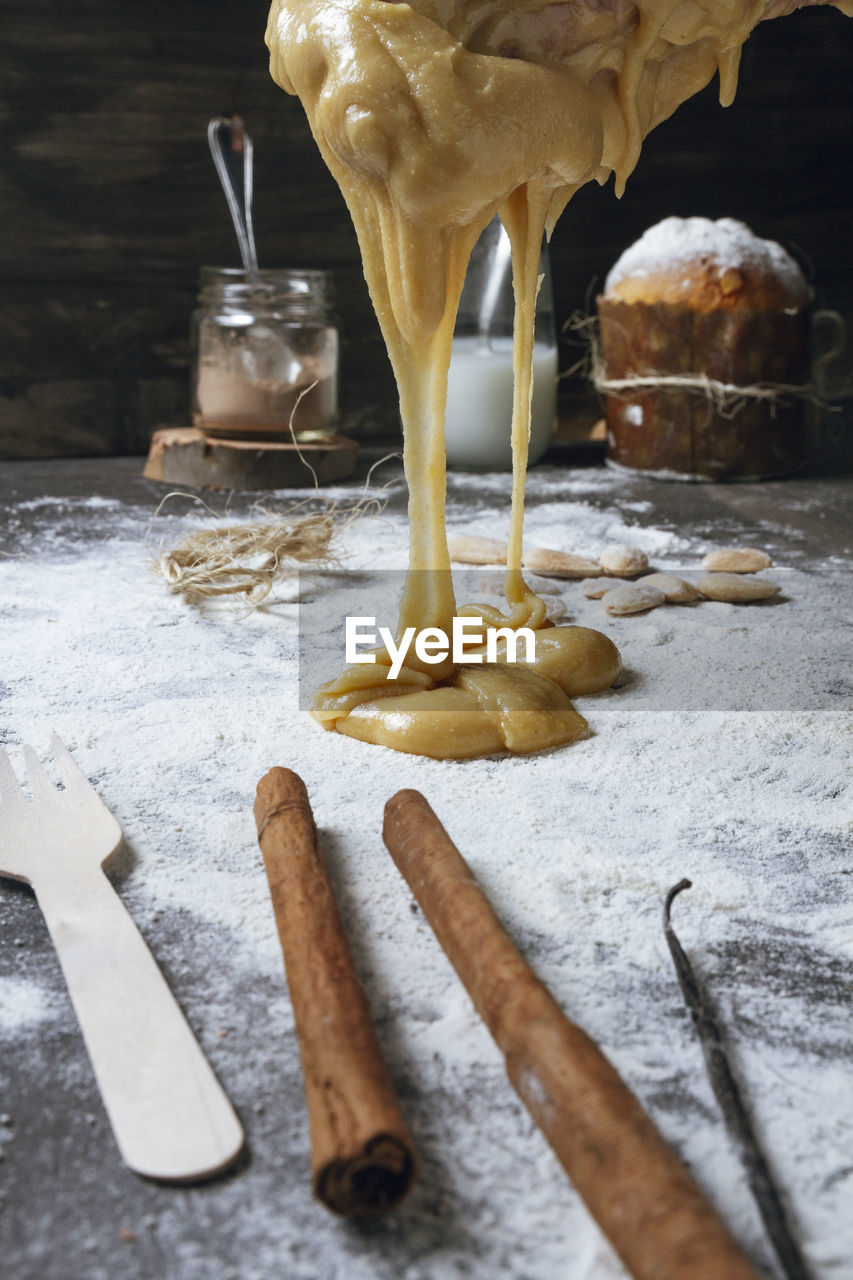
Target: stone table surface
[{"x": 576, "y": 849}]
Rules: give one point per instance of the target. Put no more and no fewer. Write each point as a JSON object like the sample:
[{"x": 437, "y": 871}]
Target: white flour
[
  {"x": 22, "y": 1003},
  {"x": 175, "y": 714}
]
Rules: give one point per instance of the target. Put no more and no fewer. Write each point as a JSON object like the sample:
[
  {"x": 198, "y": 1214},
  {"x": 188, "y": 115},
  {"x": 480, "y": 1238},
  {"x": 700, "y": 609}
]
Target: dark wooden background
[{"x": 110, "y": 203}]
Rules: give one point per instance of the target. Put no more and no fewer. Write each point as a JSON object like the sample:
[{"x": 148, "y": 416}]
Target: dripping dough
[{"x": 433, "y": 116}]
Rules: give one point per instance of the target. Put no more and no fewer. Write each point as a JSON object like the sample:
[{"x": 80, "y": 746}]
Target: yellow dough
[
  {"x": 433, "y": 116},
  {"x": 494, "y": 706}
]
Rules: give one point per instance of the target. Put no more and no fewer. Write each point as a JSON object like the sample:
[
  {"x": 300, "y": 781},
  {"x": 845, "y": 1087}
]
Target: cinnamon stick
[
  {"x": 642, "y": 1197},
  {"x": 362, "y": 1159}
]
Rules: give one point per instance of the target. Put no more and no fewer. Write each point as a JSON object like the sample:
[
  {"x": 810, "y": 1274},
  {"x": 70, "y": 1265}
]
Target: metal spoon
[
  {"x": 231, "y": 148},
  {"x": 499, "y": 264}
]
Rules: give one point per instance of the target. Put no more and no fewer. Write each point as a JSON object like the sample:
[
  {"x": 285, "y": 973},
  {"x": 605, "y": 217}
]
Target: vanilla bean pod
[{"x": 731, "y": 1104}]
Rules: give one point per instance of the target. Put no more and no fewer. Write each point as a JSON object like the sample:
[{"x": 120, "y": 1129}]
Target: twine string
[
  {"x": 249, "y": 559},
  {"x": 728, "y": 398}
]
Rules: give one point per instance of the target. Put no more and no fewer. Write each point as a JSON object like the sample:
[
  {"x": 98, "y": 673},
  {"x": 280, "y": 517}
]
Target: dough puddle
[{"x": 491, "y": 706}]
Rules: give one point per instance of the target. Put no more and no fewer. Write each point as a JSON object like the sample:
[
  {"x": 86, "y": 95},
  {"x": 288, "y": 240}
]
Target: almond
[
  {"x": 736, "y": 560},
  {"x": 634, "y": 597},
  {"x": 595, "y": 588},
  {"x": 736, "y": 588},
  {"x": 676, "y": 590},
  {"x": 469, "y": 549},
  {"x": 559, "y": 564},
  {"x": 623, "y": 561}
]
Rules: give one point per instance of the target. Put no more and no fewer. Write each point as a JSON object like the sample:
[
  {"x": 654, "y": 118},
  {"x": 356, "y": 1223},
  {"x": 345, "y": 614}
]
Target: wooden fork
[{"x": 169, "y": 1114}]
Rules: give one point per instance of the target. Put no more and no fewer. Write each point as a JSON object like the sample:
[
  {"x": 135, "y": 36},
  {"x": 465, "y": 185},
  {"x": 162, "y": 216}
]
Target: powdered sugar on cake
[{"x": 724, "y": 243}]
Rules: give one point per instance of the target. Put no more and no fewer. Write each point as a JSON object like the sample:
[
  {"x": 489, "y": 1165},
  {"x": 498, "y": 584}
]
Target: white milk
[{"x": 479, "y": 402}]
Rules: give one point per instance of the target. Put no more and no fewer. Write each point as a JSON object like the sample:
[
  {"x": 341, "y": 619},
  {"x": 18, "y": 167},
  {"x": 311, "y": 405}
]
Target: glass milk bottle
[{"x": 479, "y": 390}]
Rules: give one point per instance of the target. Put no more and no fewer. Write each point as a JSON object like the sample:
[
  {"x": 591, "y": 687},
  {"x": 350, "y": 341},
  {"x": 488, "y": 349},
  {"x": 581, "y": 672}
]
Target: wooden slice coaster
[{"x": 186, "y": 456}]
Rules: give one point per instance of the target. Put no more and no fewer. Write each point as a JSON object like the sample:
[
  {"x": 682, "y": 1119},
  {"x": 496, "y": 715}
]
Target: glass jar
[
  {"x": 480, "y": 383},
  {"x": 265, "y": 355}
]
